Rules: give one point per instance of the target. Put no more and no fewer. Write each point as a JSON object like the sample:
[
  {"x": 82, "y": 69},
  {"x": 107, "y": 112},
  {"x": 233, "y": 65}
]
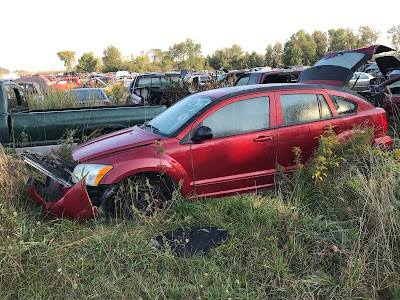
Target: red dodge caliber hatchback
[{"x": 214, "y": 143}]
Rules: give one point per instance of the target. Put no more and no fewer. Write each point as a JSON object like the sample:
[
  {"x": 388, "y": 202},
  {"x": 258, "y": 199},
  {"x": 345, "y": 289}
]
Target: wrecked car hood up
[
  {"x": 387, "y": 64},
  {"x": 113, "y": 142},
  {"x": 337, "y": 67}
]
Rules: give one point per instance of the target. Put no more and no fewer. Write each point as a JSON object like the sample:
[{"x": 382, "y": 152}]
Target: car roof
[
  {"x": 228, "y": 92},
  {"x": 159, "y": 74},
  {"x": 277, "y": 71}
]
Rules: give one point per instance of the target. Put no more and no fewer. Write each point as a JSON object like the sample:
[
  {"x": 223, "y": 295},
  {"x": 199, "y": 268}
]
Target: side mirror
[{"x": 203, "y": 133}]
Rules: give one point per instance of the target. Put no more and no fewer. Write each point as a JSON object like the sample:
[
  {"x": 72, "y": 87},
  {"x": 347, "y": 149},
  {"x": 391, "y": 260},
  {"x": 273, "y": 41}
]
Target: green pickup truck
[{"x": 43, "y": 129}]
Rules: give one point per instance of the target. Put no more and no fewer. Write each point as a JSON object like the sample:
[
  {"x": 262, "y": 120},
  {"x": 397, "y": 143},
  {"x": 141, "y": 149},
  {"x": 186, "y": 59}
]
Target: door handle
[
  {"x": 262, "y": 139},
  {"x": 330, "y": 126}
]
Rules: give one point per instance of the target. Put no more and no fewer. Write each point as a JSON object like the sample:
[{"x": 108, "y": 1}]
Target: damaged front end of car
[{"x": 63, "y": 194}]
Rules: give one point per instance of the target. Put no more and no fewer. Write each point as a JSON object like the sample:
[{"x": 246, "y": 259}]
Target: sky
[{"x": 32, "y": 32}]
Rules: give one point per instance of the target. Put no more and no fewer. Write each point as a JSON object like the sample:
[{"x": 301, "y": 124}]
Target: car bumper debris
[{"x": 58, "y": 196}]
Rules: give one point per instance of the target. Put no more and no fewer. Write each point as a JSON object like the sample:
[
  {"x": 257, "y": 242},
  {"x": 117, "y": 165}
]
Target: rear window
[
  {"x": 346, "y": 60},
  {"x": 343, "y": 105}
]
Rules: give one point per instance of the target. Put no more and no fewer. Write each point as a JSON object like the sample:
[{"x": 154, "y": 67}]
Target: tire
[{"x": 139, "y": 195}]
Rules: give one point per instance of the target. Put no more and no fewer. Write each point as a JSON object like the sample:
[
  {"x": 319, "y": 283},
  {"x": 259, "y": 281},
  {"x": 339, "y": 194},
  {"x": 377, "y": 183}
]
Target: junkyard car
[
  {"x": 360, "y": 81},
  {"x": 386, "y": 90},
  {"x": 269, "y": 76},
  {"x": 214, "y": 143},
  {"x": 98, "y": 82},
  {"x": 386, "y": 95},
  {"x": 89, "y": 96},
  {"x": 67, "y": 83},
  {"x": 156, "y": 88}
]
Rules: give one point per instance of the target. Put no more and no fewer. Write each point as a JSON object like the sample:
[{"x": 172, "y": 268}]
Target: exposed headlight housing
[{"x": 93, "y": 173}]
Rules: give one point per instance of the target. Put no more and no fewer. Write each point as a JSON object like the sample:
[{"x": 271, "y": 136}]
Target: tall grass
[
  {"x": 57, "y": 99},
  {"x": 334, "y": 237}
]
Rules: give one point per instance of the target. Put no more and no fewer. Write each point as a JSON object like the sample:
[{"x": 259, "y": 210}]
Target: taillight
[{"x": 384, "y": 121}]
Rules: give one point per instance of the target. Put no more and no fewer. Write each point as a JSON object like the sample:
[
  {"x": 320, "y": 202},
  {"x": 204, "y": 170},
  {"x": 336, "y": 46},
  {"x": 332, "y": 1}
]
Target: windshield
[
  {"x": 244, "y": 80},
  {"x": 346, "y": 60},
  {"x": 84, "y": 95},
  {"x": 174, "y": 117}
]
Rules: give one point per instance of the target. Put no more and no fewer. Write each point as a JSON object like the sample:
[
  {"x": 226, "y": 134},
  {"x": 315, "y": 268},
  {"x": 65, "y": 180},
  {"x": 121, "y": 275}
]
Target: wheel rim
[{"x": 142, "y": 200}]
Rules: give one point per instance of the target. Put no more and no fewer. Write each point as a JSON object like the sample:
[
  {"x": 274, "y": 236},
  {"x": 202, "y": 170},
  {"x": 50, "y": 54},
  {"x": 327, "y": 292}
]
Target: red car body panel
[
  {"x": 74, "y": 204},
  {"x": 70, "y": 83},
  {"x": 120, "y": 140}
]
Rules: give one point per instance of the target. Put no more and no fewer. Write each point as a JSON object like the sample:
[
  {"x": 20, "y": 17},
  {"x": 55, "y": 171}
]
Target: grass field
[{"x": 312, "y": 237}]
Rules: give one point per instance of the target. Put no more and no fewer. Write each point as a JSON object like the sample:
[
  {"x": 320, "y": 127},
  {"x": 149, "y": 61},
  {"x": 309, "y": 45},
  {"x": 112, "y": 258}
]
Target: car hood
[
  {"x": 387, "y": 64},
  {"x": 117, "y": 141},
  {"x": 337, "y": 67}
]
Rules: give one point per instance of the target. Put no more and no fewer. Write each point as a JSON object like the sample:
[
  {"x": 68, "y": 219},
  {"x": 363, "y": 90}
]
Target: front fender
[{"x": 162, "y": 164}]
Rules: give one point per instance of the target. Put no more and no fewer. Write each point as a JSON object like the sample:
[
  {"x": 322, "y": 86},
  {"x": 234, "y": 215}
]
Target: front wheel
[{"x": 141, "y": 195}]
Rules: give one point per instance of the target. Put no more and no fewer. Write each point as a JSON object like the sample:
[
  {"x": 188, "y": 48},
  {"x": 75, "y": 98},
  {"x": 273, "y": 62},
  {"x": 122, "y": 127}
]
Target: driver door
[{"x": 241, "y": 155}]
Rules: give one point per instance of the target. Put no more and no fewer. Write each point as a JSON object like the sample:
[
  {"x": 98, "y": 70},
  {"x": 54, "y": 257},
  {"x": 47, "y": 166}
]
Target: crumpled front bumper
[
  {"x": 59, "y": 196},
  {"x": 74, "y": 203}
]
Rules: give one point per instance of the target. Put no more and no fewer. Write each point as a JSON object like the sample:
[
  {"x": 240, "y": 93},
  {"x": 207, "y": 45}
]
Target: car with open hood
[{"x": 210, "y": 144}]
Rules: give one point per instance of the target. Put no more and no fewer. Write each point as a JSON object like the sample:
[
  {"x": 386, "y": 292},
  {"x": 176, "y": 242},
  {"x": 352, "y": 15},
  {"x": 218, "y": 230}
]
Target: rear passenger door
[
  {"x": 346, "y": 108},
  {"x": 302, "y": 116}
]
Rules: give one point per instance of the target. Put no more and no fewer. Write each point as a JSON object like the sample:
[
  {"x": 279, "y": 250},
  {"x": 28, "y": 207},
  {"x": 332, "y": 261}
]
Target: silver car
[{"x": 360, "y": 81}]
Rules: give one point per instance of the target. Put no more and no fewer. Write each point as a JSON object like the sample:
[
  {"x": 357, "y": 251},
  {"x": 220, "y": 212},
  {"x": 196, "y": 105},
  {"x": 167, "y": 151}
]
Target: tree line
[{"x": 301, "y": 48}]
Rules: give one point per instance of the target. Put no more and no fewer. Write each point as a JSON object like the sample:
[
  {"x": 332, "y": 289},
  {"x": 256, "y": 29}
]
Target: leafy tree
[
  {"x": 367, "y": 36},
  {"x": 342, "y": 39},
  {"x": 142, "y": 63},
  {"x": 273, "y": 55},
  {"x": 187, "y": 55},
  {"x": 308, "y": 47},
  {"x": 112, "y": 59},
  {"x": 292, "y": 54},
  {"x": 87, "y": 63},
  {"x": 394, "y": 36},
  {"x": 68, "y": 58},
  {"x": 229, "y": 58},
  {"x": 255, "y": 60},
  {"x": 321, "y": 42},
  {"x": 194, "y": 58},
  {"x": 236, "y": 53}
]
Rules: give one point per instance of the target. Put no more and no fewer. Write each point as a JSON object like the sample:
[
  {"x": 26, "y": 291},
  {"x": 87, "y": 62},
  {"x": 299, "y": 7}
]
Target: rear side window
[
  {"x": 299, "y": 108},
  {"x": 343, "y": 105},
  {"x": 239, "y": 117}
]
